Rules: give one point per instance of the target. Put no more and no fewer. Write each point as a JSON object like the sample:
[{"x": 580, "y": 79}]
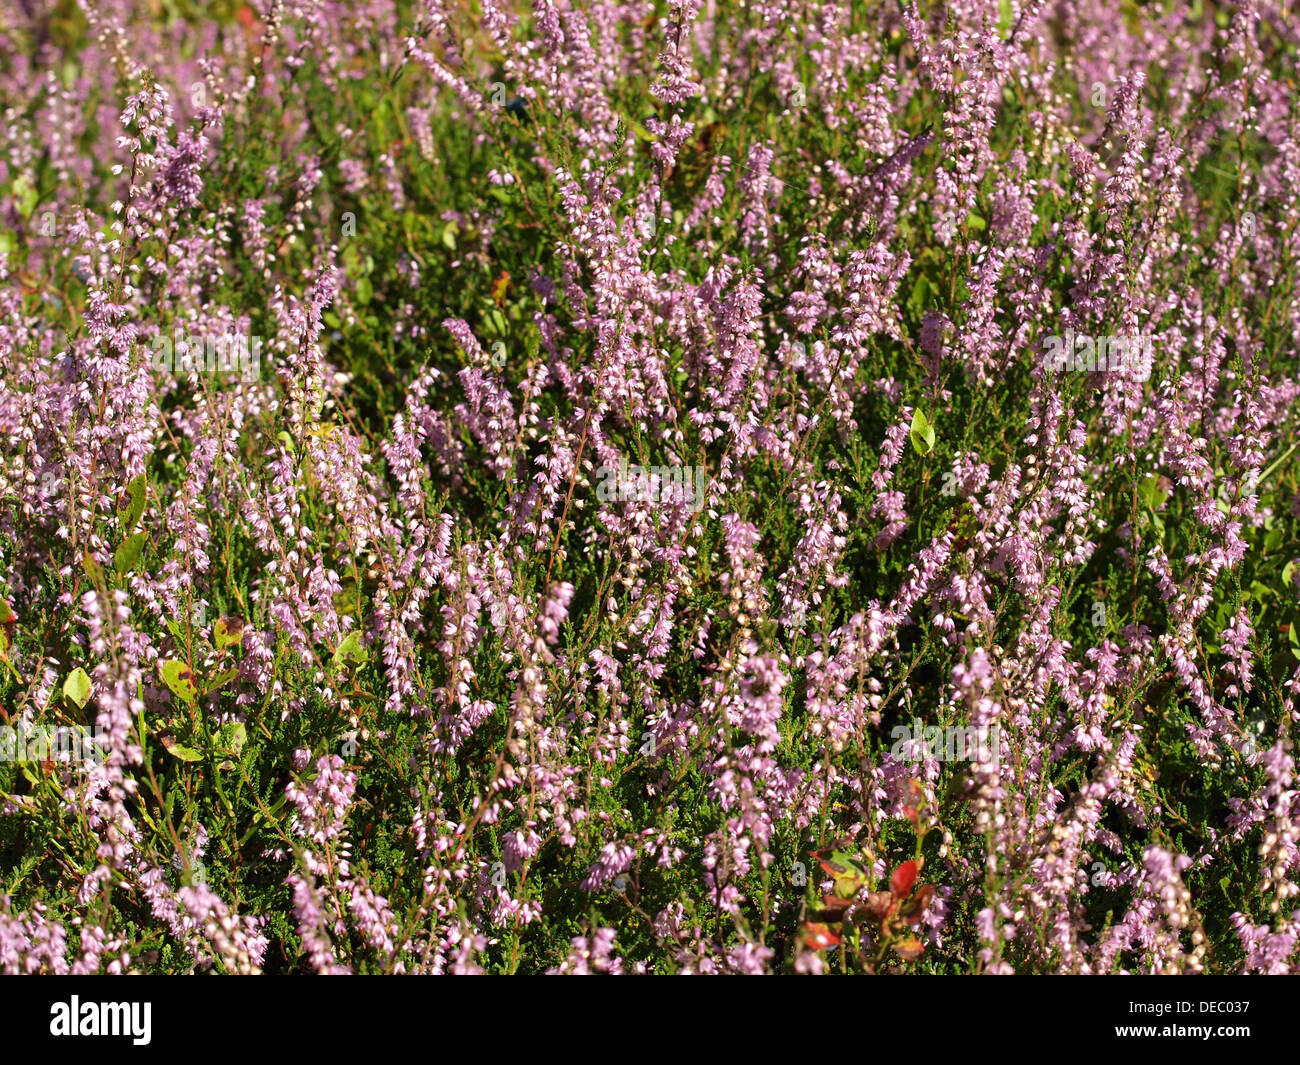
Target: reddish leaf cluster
[{"x": 888, "y": 917}]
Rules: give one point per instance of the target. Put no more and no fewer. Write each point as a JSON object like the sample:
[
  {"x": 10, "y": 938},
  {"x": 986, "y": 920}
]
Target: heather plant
[{"x": 487, "y": 485}]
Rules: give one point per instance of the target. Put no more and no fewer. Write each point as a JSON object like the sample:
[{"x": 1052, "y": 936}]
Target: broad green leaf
[
  {"x": 1152, "y": 493},
  {"x": 848, "y": 861},
  {"x": 93, "y": 569},
  {"x": 1005, "y": 18},
  {"x": 848, "y": 874},
  {"x": 8, "y": 622},
  {"x": 128, "y": 554},
  {"x": 921, "y": 292},
  {"x": 25, "y": 194},
  {"x": 217, "y": 680},
  {"x": 350, "y": 649},
  {"x": 228, "y": 631},
  {"x": 180, "y": 679},
  {"x": 135, "y": 502},
  {"x": 176, "y": 750},
  {"x": 77, "y": 687},
  {"x": 846, "y": 887},
  {"x": 922, "y": 434}
]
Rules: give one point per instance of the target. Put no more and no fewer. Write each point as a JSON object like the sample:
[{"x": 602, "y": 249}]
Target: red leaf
[
  {"x": 903, "y": 879},
  {"x": 915, "y": 909},
  {"x": 879, "y": 903},
  {"x": 909, "y": 949},
  {"x": 819, "y": 936}
]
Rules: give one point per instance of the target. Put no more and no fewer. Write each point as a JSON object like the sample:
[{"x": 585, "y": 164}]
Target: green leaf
[
  {"x": 365, "y": 290},
  {"x": 135, "y": 501},
  {"x": 217, "y": 680},
  {"x": 449, "y": 232},
  {"x": 922, "y": 289},
  {"x": 228, "y": 632},
  {"x": 180, "y": 679},
  {"x": 128, "y": 554},
  {"x": 93, "y": 570},
  {"x": 846, "y": 887},
  {"x": 350, "y": 649},
  {"x": 24, "y": 193},
  {"x": 848, "y": 874},
  {"x": 77, "y": 687},
  {"x": 8, "y": 622},
  {"x": 1152, "y": 493},
  {"x": 176, "y": 750},
  {"x": 1005, "y": 18},
  {"x": 846, "y": 860},
  {"x": 922, "y": 434}
]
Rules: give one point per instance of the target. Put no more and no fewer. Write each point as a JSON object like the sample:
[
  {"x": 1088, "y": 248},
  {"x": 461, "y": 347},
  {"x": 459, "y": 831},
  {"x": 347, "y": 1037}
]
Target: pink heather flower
[{"x": 589, "y": 955}]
